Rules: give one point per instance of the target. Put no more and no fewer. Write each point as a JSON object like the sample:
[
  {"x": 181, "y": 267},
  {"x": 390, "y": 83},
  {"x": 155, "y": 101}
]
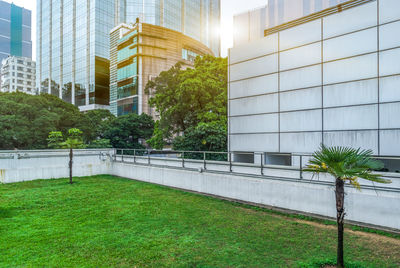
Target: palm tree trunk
[
  {"x": 340, "y": 220},
  {"x": 70, "y": 165}
]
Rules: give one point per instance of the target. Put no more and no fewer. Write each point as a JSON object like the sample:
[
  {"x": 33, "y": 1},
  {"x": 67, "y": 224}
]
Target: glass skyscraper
[
  {"x": 73, "y": 40},
  {"x": 15, "y": 31}
]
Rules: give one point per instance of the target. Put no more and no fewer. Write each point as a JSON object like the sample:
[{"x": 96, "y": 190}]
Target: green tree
[
  {"x": 22, "y": 114},
  {"x": 345, "y": 165},
  {"x": 126, "y": 131},
  {"x": 210, "y": 137},
  {"x": 99, "y": 144},
  {"x": 74, "y": 141},
  {"x": 96, "y": 121},
  {"x": 158, "y": 140},
  {"x": 185, "y": 98}
]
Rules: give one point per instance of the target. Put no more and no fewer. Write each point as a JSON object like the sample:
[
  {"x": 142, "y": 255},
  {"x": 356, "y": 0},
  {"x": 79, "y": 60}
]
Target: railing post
[
  {"x": 148, "y": 157},
  {"x": 301, "y": 167},
  {"x": 134, "y": 155},
  {"x": 262, "y": 164},
  {"x": 122, "y": 155},
  {"x": 115, "y": 154},
  {"x": 204, "y": 160},
  {"x": 183, "y": 159},
  {"x": 230, "y": 162}
]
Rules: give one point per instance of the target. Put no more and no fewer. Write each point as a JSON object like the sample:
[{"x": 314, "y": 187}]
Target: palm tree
[{"x": 346, "y": 165}]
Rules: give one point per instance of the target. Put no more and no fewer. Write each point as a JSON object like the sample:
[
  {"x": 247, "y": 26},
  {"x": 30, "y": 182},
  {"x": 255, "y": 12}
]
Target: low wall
[
  {"x": 371, "y": 206},
  {"x": 17, "y": 166}
]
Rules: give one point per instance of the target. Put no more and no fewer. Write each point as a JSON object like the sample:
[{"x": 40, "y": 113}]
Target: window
[{"x": 189, "y": 55}]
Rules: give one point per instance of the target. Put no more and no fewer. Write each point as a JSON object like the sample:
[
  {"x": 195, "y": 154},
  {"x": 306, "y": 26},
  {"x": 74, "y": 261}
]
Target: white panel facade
[
  {"x": 342, "y": 90},
  {"x": 352, "y": 93},
  {"x": 389, "y": 35},
  {"x": 352, "y": 117},
  {"x": 351, "y": 44},
  {"x": 390, "y": 115},
  {"x": 256, "y": 67},
  {"x": 367, "y": 140},
  {"x": 256, "y": 86},
  {"x": 254, "y": 105},
  {"x": 350, "y": 20},
  {"x": 302, "y": 56},
  {"x": 309, "y": 98},
  {"x": 300, "y": 35},
  {"x": 301, "y": 121},
  {"x": 262, "y": 47},
  {"x": 254, "y": 143},
  {"x": 300, "y": 142},
  {"x": 254, "y": 124},
  {"x": 389, "y": 88},
  {"x": 388, "y": 10},
  {"x": 301, "y": 78},
  {"x": 361, "y": 67},
  {"x": 389, "y": 62}
]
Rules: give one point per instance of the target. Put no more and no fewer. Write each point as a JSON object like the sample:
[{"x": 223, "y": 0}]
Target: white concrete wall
[
  {"x": 334, "y": 80},
  {"x": 369, "y": 206},
  {"x": 17, "y": 166}
]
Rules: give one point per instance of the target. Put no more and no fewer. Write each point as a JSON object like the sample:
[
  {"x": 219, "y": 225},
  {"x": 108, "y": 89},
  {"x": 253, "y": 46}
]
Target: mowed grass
[{"x": 105, "y": 221}]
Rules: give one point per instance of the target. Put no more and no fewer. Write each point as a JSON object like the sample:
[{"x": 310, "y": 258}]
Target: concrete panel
[
  {"x": 300, "y": 35},
  {"x": 256, "y": 67},
  {"x": 254, "y": 105},
  {"x": 389, "y": 89},
  {"x": 390, "y": 116},
  {"x": 254, "y": 123},
  {"x": 301, "y": 78},
  {"x": 254, "y": 49},
  {"x": 389, "y": 35},
  {"x": 362, "y": 67},
  {"x": 350, "y": 20},
  {"x": 388, "y": 10},
  {"x": 300, "y": 142},
  {"x": 254, "y": 86},
  {"x": 254, "y": 143},
  {"x": 389, "y": 62},
  {"x": 308, "y": 98},
  {"x": 354, "y": 139},
  {"x": 354, "y": 117},
  {"x": 301, "y": 121},
  {"x": 389, "y": 141},
  {"x": 301, "y": 56},
  {"x": 353, "y": 93},
  {"x": 351, "y": 44}
]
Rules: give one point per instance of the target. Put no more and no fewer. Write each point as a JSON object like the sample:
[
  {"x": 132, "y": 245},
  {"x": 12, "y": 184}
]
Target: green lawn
[{"x": 105, "y": 221}]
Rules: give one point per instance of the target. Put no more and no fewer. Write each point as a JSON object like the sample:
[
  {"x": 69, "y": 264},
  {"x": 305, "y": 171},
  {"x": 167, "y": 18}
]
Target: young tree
[
  {"x": 345, "y": 165},
  {"x": 74, "y": 141}
]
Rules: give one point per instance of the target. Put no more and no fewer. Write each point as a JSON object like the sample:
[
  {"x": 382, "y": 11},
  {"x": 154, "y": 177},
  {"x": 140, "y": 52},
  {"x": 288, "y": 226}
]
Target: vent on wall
[{"x": 317, "y": 15}]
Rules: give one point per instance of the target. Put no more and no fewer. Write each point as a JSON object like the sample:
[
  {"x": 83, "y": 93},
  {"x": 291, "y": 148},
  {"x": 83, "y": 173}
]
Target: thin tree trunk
[
  {"x": 340, "y": 220},
  {"x": 70, "y": 165}
]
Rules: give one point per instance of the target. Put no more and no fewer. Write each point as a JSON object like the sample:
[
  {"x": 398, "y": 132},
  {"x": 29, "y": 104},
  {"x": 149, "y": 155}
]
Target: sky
[{"x": 229, "y": 8}]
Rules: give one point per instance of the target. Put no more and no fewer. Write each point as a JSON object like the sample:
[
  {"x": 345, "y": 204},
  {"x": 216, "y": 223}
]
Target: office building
[
  {"x": 15, "y": 31},
  {"x": 332, "y": 77},
  {"x": 73, "y": 43},
  {"x": 139, "y": 53},
  {"x": 18, "y": 74}
]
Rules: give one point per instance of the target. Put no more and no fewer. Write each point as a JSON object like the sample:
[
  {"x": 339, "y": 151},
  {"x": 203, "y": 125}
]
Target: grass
[{"x": 105, "y": 221}]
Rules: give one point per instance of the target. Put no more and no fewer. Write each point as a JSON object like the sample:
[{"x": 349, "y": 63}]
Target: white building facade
[
  {"x": 18, "y": 74},
  {"x": 330, "y": 79}
]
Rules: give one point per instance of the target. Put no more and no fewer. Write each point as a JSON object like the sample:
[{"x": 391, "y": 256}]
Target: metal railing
[{"x": 237, "y": 162}]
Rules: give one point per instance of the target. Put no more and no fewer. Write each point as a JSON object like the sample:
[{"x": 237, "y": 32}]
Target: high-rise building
[
  {"x": 15, "y": 31},
  {"x": 18, "y": 74},
  {"x": 141, "y": 52},
  {"x": 331, "y": 78},
  {"x": 73, "y": 44}
]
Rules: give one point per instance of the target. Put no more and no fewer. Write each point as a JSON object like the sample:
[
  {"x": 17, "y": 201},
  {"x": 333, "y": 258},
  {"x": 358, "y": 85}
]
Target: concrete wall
[
  {"x": 16, "y": 166},
  {"x": 370, "y": 206},
  {"x": 334, "y": 80}
]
